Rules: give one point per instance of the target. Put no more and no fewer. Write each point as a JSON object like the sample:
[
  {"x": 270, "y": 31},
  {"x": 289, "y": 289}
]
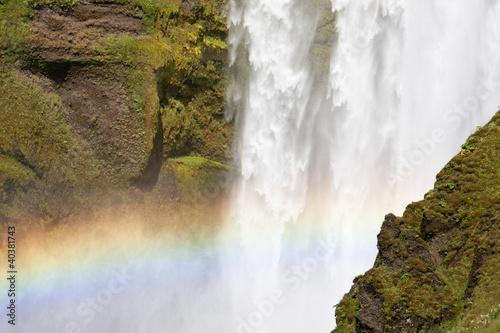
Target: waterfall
[
  {"x": 344, "y": 111},
  {"x": 322, "y": 160}
]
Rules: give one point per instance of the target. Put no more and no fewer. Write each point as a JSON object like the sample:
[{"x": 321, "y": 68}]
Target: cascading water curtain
[
  {"x": 345, "y": 111},
  {"x": 322, "y": 161}
]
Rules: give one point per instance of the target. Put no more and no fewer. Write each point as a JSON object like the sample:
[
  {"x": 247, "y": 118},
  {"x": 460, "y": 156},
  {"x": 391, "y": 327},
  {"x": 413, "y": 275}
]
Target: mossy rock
[
  {"x": 88, "y": 102},
  {"x": 39, "y": 152},
  {"x": 438, "y": 267},
  {"x": 198, "y": 179}
]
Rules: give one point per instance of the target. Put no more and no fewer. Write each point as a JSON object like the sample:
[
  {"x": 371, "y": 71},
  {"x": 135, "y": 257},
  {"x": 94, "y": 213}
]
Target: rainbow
[{"x": 124, "y": 269}]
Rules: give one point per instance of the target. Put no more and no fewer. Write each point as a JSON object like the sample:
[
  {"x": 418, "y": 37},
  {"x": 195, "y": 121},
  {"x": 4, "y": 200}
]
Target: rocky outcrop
[
  {"x": 438, "y": 265},
  {"x": 64, "y": 33},
  {"x": 100, "y": 94},
  {"x": 97, "y": 96}
]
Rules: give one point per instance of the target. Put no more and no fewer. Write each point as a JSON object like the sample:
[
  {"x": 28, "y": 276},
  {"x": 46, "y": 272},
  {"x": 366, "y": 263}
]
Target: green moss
[
  {"x": 453, "y": 287},
  {"x": 194, "y": 161},
  {"x": 13, "y": 169},
  {"x": 61, "y": 3},
  {"x": 347, "y": 312},
  {"x": 14, "y": 177},
  {"x": 198, "y": 178},
  {"x": 175, "y": 82},
  {"x": 32, "y": 122},
  {"x": 14, "y": 16},
  {"x": 37, "y": 147},
  {"x": 187, "y": 50}
]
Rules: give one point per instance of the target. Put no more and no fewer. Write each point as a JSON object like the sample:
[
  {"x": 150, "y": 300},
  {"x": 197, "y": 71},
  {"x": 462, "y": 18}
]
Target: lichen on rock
[
  {"x": 438, "y": 265},
  {"x": 90, "y": 82}
]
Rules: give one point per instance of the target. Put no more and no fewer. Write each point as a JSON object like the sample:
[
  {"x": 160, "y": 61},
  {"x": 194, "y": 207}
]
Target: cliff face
[
  {"x": 96, "y": 96},
  {"x": 438, "y": 266}
]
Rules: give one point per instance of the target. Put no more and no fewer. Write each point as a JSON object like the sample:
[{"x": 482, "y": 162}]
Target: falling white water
[{"x": 322, "y": 162}]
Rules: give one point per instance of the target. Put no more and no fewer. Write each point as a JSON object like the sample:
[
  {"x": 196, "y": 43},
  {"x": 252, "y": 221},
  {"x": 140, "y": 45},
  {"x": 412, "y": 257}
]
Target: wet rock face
[
  {"x": 431, "y": 227},
  {"x": 88, "y": 121},
  {"x": 98, "y": 108},
  {"x": 390, "y": 230},
  {"x": 59, "y": 34},
  {"x": 81, "y": 82},
  {"x": 371, "y": 317},
  {"x": 96, "y": 95},
  {"x": 480, "y": 256}
]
